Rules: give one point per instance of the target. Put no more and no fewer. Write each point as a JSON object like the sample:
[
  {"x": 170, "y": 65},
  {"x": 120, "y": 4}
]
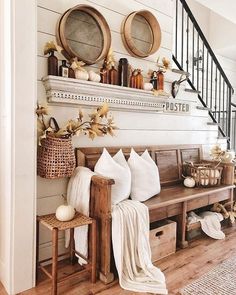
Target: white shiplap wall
[{"x": 135, "y": 128}]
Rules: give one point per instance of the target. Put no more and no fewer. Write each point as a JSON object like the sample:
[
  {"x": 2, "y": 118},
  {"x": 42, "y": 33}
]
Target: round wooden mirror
[
  {"x": 141, "y": 33},
  {"x": 84, "y": 33}
]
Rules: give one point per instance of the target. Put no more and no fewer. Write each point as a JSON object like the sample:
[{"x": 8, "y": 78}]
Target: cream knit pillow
[
  {"x": 117, "y": 169},
  {"x": 145, "y": 180}
]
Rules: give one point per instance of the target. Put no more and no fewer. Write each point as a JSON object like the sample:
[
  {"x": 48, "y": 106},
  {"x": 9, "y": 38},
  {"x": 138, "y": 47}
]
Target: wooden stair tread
[
  {"x": 203, "y": 108},
  {"x": 213, "y": 124},
  {"x": 192, "y": 90}
]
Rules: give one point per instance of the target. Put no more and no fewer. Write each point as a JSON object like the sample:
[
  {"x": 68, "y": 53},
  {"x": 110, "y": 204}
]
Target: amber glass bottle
[
  {"x": 71, "y": 72},
  {"x": 132, "y": 81},
  {"x": 139, "y": 80},
  {"x": 160, "y": 80},
  {"x": 113, "y": 76},
  {"x": 52, "y": 64}
]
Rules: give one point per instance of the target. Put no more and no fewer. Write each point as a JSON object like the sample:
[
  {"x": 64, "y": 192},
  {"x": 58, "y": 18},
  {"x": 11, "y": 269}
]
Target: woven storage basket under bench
[{"x": 162, "y": 239}]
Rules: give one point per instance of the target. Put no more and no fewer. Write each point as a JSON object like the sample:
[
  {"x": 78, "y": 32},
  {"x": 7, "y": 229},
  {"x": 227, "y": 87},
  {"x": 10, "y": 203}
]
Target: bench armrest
[
  {"x": 102, "y": 181},
  {"x": 100, "y": 209}
]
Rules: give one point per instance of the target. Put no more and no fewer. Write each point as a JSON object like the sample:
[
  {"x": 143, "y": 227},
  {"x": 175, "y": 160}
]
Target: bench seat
[{"x": 169, "y": 202}]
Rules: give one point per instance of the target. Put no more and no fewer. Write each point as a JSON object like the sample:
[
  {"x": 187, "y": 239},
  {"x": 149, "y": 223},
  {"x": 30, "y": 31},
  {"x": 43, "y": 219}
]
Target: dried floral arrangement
[
  {"x": 220, "y": 155},
  {"x": 164, "y": 65},
  {"x": 99, "y": 123}
]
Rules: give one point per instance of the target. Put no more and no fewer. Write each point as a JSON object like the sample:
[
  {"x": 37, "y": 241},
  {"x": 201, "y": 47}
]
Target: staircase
[{"x": 192, "y": 53}]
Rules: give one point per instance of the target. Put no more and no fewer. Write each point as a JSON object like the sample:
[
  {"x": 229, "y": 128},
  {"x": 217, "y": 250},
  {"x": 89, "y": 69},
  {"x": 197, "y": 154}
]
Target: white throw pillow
[
  {"x": 117, "y": 169},
  {"x": 145, "y": 180}
]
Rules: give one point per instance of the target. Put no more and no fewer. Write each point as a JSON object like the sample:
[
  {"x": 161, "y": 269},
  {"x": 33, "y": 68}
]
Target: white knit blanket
[
  {"x": 130, "y": 240},
  {"x": 130, "y": 237},
  {"x": 210, "y": 223},
  {"x": 78, "y": 196}
]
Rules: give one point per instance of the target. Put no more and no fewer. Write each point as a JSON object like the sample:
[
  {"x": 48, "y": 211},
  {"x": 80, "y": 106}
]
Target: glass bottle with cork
[{"x": 64, "y": 69}]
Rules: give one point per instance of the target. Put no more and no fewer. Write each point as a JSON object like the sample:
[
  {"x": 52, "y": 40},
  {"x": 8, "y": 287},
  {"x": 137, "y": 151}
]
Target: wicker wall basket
[
  {"x": 205, "y": 175},
  {"x": 56, "y": 158}
]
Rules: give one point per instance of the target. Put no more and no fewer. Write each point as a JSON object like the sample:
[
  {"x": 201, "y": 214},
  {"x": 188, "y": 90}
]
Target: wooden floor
[{"x": 180, "y": 268}]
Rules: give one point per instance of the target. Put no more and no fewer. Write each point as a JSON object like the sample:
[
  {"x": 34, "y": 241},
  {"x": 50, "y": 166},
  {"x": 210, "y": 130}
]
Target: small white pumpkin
[
  {"x": 215, "y": 174},
  {"x": 65, "y": 212},
  {"x": 148, "y": 86},
  {"x": 81, "y": 75},
  {"x": 94, "y": 77},
  {"x": 189, "y": 182}
]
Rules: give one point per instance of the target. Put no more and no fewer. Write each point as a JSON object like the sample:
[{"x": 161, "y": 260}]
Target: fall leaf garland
[{"x": 99, "y": 124}]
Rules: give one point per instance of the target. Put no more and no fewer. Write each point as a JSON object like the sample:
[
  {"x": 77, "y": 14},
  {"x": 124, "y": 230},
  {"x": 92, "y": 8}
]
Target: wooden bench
[{"x": 174, "y": 200}]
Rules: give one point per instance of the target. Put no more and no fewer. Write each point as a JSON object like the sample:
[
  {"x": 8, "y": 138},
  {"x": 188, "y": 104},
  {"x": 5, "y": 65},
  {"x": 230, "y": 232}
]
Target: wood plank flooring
[{"x": 180, "y": 269}]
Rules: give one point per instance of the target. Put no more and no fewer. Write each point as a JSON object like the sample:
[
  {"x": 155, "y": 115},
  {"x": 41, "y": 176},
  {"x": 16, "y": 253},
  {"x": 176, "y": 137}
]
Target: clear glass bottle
[{"x": 64, "y": 70}]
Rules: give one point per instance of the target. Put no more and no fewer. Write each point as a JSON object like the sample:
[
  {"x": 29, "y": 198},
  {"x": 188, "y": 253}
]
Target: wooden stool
[{"x": 55, "y": 225}]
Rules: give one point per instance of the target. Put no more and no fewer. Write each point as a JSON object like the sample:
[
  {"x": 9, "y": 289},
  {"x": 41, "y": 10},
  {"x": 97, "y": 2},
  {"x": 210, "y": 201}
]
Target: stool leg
[
  {"x": 93, "y": 251},
  {"x": 72, "y": 246},
  {"x": 54, "y": 260}
]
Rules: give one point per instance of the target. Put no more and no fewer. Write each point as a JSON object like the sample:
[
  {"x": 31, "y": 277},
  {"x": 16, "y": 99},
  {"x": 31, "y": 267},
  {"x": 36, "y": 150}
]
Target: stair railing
[{"x": 192, "y": 53}]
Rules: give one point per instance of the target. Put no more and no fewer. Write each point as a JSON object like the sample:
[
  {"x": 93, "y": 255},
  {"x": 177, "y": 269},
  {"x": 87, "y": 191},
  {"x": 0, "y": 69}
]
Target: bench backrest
[{"x": 169, "y": 158}]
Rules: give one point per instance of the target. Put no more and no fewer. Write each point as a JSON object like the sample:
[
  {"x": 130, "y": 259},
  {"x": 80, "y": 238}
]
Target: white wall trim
[{"x": 18, "y": 194}]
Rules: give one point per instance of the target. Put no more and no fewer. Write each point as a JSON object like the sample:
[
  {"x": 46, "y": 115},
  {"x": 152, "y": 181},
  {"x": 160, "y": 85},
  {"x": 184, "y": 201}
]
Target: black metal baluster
[
  {"x": 223, "y": 125},
  {"x": 216, "y": 94},
  {"x": 182, "y": 39},
  {"x": 197, "y": 62},
  {"x": 219, "y": 117},
  {"x": 187, "y": 58},
  {"x": 176, "y": 28},
  {"x": 207, "y": 78},
  {"x": 211, "y": 104},
  {"x": 193, "y": 58},
  {"x": 227, "y": 110},
  {"x": 229, "y": 119},
  {"x": 203, "y": 61}
]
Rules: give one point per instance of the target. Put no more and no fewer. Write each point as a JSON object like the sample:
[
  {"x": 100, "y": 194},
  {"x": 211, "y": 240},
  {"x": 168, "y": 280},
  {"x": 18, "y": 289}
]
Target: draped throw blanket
[
  {"x": 130, "y": 237},
  {"x": 78, "y": 195},
  {"x": 210, "y": 223},
  {"x": 132, "y": 253}
]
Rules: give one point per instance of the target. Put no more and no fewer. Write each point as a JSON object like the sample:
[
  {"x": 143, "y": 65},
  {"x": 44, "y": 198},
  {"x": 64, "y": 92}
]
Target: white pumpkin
[
  {"x": 148, "y": 86},
  {"x": 215, "y": 174},
  {"x": 189, "y": 182},
  {"x": 94, "y": 77},
  {"x": 65, "y": 212},
  {"x": 81, "y": 75}
]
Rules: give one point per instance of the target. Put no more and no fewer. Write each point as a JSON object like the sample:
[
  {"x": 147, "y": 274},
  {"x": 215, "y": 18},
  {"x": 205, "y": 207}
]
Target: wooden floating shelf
[{"x": 67, "y": 91}]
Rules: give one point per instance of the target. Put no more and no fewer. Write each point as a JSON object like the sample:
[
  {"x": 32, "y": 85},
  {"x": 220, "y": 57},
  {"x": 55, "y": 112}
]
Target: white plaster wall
[{"x": 135, "y": 128}]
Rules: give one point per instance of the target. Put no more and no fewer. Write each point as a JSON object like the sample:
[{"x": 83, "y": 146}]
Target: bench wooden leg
[
  {"x": 54, "y": 260},
  {"x": 181, "y": 223}
]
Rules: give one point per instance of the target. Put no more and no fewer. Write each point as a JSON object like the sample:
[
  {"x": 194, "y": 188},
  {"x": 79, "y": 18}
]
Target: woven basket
[
  {"x": 205, "y": 175},
  {"x": 56, "y": 158}
]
